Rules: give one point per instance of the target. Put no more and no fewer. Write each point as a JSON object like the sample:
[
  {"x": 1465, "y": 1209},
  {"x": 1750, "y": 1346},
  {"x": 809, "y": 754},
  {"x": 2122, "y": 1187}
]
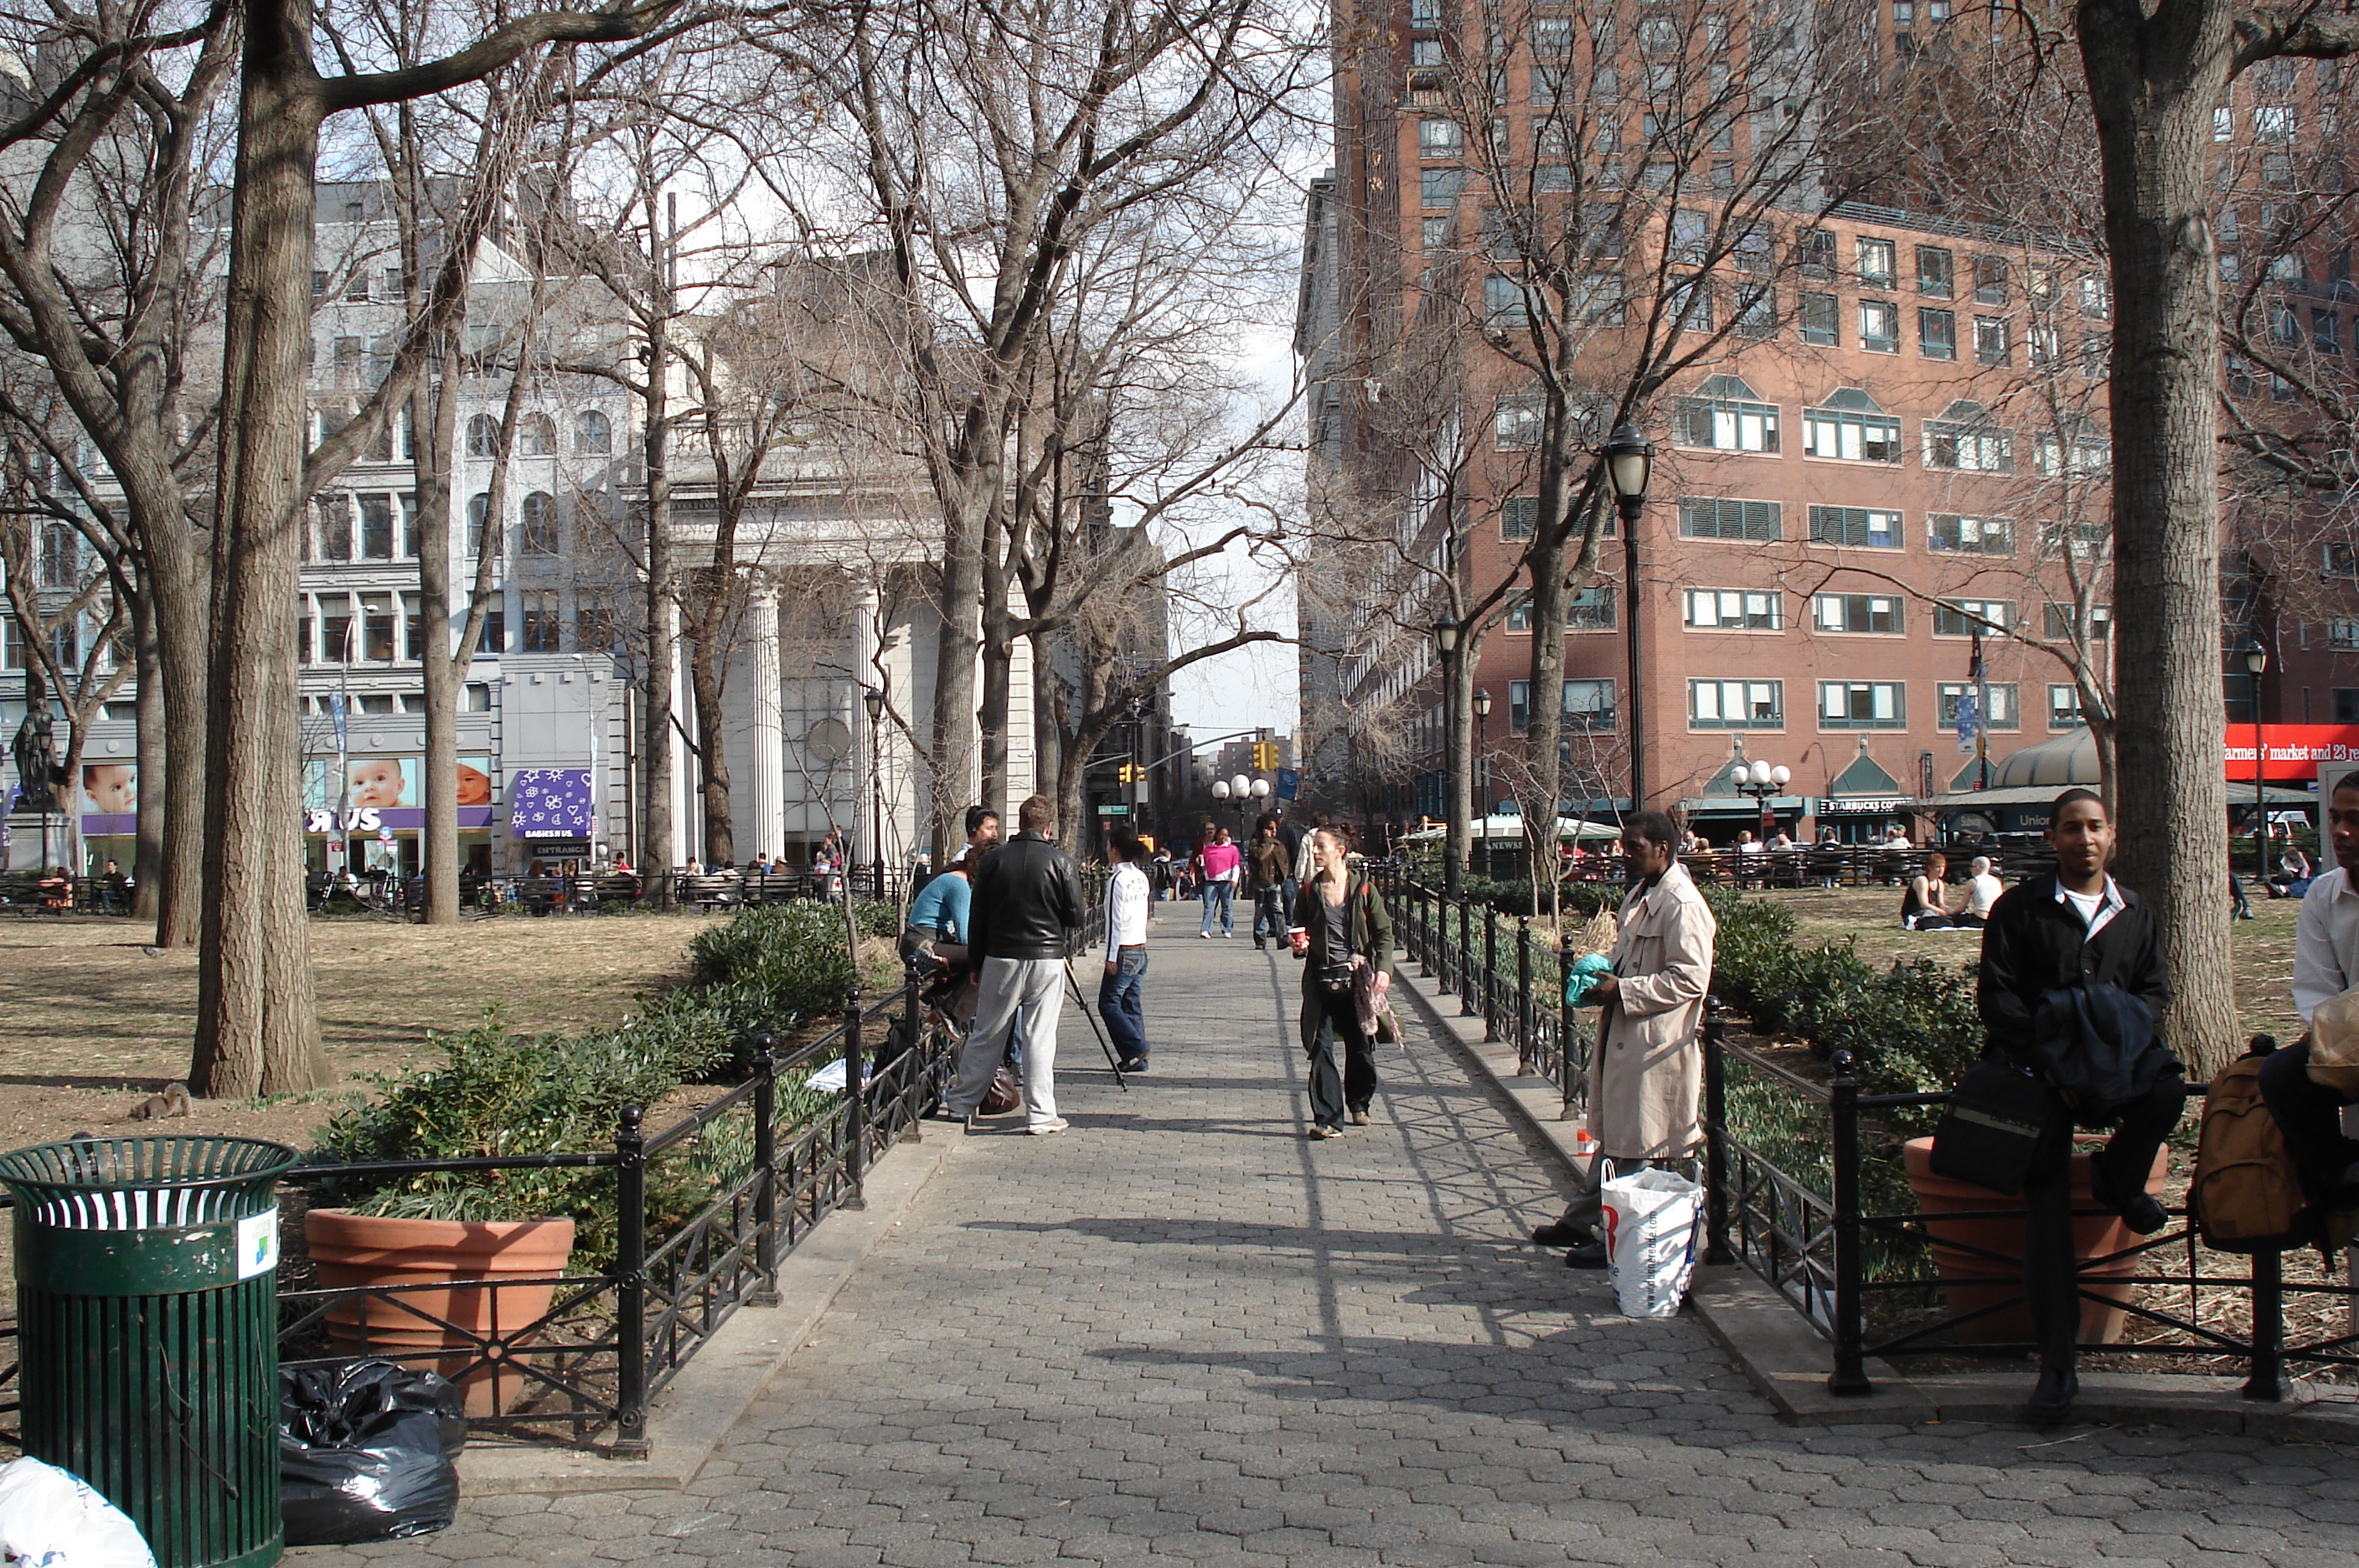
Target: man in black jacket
[
  {"x": 2076, "y": 928},
  {"x": 1026, "y": 915}
]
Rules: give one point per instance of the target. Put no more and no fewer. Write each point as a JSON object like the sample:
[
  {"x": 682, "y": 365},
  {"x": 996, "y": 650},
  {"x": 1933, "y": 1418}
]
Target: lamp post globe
[
  {"x": 1260, "y": 788},
  {"x": 1220, "y": 788},
  {"x": 1780, "y": 777},
  {"x": 1240, "y": 787},
  {"x": 1629, "y": 463}
]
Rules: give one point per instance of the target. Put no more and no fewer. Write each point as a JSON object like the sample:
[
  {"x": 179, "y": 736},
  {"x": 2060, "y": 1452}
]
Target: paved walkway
[{"x": 1181, "y": 1333}]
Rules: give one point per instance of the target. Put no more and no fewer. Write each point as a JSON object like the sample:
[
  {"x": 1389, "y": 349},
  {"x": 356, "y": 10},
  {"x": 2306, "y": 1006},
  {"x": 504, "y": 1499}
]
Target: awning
[{"x": 552, "y": 803}]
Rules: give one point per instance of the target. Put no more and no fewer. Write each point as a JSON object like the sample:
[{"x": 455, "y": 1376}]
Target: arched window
[
  {"x": 539, "y": 524},
  {"x": 537, "y": 437},
  {"x": 593, "y": 436},
  {"x": 479, "y": 506},
  {"x": 483, "y": 436}
]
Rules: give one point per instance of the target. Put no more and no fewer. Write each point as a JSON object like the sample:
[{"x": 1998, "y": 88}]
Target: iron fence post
[
  {"x": 1523, "y": 996},
  {"x": 1466, "y": 956},
  {"x": 913, "y": 1021},
  {"x": 765, "y": 1161},
  {"x": 855, "y": 1105},
  {"x": 1572, "y": 1060},
  {"x": 631, "y": 1288},
  {"x": 1715, "y": 1146},
  {"x": 2267, "y": 1380},
  {"x": 1490, "y": 973},
  {"x": 1424, "y": 934},
  {"x": 1850, "y": 1376}
]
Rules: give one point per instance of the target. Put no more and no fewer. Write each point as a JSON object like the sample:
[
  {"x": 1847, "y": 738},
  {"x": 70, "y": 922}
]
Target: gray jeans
[{"x": 1036, "y": 985}]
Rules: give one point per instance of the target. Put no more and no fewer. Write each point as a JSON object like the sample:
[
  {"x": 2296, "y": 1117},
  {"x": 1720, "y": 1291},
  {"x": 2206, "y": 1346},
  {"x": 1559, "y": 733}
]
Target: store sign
[
  {"x": 1862, "y": 805},
  {"x": 2295, "y": 750},
  {"x": 552, "y": 803},
  {"x": 386, "y": 794}
]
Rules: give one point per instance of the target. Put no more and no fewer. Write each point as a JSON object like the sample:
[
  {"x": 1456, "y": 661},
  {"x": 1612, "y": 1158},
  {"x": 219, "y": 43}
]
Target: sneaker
[
  {"x": 1321, "y": 1129},
  {"x": 1206, "y": 935},
  {"x": 1135, "y": 1064},
  {"x": 1359, "y": 1119},
  {"x": 1042, "y": 1129}
]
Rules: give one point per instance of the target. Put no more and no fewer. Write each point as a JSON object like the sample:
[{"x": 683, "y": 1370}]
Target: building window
[
  {"x": 537, "y": 436},
  {"x": 413, "y": 631},
  {"x": 1439, "y": 187},
  {"x": 1878, "y": 267},
  {"x": 1728, "y": 416},
  {"x": 540, "y": 531},
  {"x": 478, "y": 508},
  {"x": 1990, "y": 280},
  {"x": 483, "y": 436},
  {"x": 1852, "y": 427},
  {"x": 1856, "y": 613},
  {"x": 2065, "y": 709},
  {"x": 1518, "y": 516},
  {"x": 1821, "y": 319},
  {"x": 1591, "y": 609},
  {"x": 543, "y": 628},
  {"x": 376, "y": 627},
  {"x": 1736, "y": 704},
  {"x": 595, "y": 630},
  {"x": 2047, "y": 344},
  {"x": 1503, "y": 302},
  {"x": 1757, "y": 312},
  {"x": 1864, "y": 528},
  {"x": 60, "y": 556},
  {"x": 376, "y": 528},
  {"x": 1815, "y": 251},
  {"x": 1863, "y": 705},
  {"x": 495, "y": 638},
  {"x": 1964, "y": 438},
  {"x": 1879, "y": 326},
  {"x": 2065, "y": 620},
  {"x": 334, "y": 513},
  {"x": 1721, "y": 517},
  {"x": 1519, "y": 614},
  {"x": 593, "y": 434},
  {"x": 1999, "y": 712},
  {"x": 2085, "y": 455},
  {"x": 1516, "y": 425},
  {"x": 1969, "y": 536},
  {"x": 2341, "y": 559},
  {"x": 2096, "y": 296},
  {"x": 2342, "y": 634},
  {"x": 336, "y": 628},
  {"x": 1736, "y": 609},
  {"x": 1964, "y": 617},
  {"x": 1992, "y": 344},
  {"x": 1937, "y": 333},
  {"x": 2325, "y": 330},
  {"x": 1935, "y": 272},
  {"x": 1439, "y": 139},
  {"x": 1588, "y": 705},
  {"x": 1688, "y": 302}
]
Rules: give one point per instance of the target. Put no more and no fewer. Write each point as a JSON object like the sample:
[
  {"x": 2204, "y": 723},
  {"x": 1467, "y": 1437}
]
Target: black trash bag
[{"x": 367, "y": 1450}]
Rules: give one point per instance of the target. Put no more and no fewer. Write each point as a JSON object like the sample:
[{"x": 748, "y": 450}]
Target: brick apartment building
[{"x": 1895, "y": 457}]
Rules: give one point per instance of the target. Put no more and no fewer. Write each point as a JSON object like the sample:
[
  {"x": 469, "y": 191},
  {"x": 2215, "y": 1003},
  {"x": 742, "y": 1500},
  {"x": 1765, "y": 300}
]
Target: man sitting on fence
[
  {"x": 1647, "y": 1070},
  {"x": 2051, "y": 939}
]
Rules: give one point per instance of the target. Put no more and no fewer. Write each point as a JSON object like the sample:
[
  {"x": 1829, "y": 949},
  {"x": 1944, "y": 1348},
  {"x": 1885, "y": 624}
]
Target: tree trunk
[
  {"x": 953, "y": 715},
  {"x": 2154, "y": 87},
  {"x": 434, "y": 415},
  {"x": 148, "y": 708},
  {"x": 257, "y": 1029},
  {"x": 998, "y": 661},
  {"x": 1544, "y": 719},
  {"x": 179, "y": 587},
  {"x": 1461, "y": 741}
]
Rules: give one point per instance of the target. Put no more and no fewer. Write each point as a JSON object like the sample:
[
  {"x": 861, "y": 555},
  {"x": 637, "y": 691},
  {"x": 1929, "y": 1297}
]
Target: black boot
[
  {"x": 1555, "y": 1232},
  {"x": 2052, "y": 1399},
  {"x": 2140, "y": 1211}
]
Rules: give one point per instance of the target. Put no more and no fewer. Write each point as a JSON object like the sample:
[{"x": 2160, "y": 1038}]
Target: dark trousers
[
  {"x": 1119, "y": 1004},
  {"x": 1269, "y": 914},
  {"x": 1333, "y": 1094},
  {"x": 2311, "y": 1116},
  {"x": 2051, "y": 1279}
]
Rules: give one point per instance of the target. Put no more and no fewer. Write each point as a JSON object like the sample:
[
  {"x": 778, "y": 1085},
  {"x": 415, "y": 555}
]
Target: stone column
[
  {"x": 764, "y": 815},
  {"x": 858, "y": 775}
]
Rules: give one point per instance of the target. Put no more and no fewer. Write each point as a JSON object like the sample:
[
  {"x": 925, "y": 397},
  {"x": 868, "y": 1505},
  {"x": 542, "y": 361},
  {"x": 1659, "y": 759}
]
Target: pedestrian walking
[
  {"x": 1270, "y": 869},
  {"x": 1221, "y": 863},
  {"x": 1120, "y": 1003},
  {"x": 1341, "y": 928},
  {"x": 1647, "y": 1069},
  {"x": 2078, "y": 932},
  {"x": 1024, "y": 917}
]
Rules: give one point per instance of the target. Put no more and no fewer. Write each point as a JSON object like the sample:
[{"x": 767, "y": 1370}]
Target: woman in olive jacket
[{"x": 1343, "y": 918}]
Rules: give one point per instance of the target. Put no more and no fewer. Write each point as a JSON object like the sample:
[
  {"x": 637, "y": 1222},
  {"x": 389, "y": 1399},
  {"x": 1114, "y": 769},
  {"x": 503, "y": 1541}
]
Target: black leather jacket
[{"x": 1027, "y": 901}]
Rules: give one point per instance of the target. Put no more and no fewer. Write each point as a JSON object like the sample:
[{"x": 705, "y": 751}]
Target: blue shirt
[{"x": 944, "y": 905}]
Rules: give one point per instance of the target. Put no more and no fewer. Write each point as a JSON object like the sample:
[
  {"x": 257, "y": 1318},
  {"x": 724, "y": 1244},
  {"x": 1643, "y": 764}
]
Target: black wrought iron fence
[
  {"x": 1806, "y": 1186},
  {"x": 577, "y": 1356}
]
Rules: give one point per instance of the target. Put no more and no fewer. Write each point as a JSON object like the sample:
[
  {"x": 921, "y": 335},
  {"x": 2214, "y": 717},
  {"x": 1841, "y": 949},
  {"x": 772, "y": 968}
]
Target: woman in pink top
[{"x": 1221, "y": 860}]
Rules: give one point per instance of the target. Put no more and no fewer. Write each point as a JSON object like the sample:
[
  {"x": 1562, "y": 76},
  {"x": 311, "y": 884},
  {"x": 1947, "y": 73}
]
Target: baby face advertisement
[
  {"x": 392, "y": 789},
  {"x": 110, "y": 789}
]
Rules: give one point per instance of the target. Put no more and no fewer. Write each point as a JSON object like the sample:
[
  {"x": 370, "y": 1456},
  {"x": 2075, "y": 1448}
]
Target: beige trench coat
[{"x": 1648, "y": 1068}]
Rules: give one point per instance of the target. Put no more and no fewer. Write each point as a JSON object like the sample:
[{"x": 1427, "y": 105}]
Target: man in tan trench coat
[{"x": 1647, "y": 1071}]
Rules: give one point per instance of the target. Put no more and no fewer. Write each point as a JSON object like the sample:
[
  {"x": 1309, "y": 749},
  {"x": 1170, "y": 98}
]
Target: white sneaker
[
  {"x": 1042, "y": 1129},
  {"x": 1206, "y": 935}
]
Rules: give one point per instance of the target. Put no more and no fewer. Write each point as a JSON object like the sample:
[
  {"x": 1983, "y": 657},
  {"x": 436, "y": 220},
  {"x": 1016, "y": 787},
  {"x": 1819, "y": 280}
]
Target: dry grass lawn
[{"x": 89, "y": 1025}]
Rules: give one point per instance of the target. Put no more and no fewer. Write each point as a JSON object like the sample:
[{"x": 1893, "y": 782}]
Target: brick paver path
[{"x": 1181, "y": 1333}]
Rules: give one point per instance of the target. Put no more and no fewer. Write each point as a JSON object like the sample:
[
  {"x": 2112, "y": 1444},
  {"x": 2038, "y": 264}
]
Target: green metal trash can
[{"x": 146, "y": 1275}]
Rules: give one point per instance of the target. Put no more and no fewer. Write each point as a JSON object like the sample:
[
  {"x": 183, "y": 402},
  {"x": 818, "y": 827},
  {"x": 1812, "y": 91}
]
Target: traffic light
[
  {"x": 1129, "y": 773},
  {"x": 1264, "y": 755}
]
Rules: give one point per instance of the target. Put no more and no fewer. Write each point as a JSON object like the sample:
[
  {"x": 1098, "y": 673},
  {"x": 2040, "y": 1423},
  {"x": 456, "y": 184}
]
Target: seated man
[{"x": 1983, "y": 890}]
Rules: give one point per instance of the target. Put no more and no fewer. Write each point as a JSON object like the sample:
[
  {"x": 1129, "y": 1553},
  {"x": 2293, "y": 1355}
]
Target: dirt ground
[
  {"x": 90, "y": 1025},
  {"x": 1872, "y": 916}
]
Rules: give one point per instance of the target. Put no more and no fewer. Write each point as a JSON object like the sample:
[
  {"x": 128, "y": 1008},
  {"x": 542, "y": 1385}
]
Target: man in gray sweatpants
[{"x": 1027, "y": 914}]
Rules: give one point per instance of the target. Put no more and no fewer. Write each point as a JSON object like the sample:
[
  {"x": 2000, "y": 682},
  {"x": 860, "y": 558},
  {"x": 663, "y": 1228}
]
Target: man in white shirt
[
  {"x": 982, "y": 837},
  {"x": 2326, "y": 933},
  {"x": 1126, "y": 899},
  {"x": 1982, "y": 891}
]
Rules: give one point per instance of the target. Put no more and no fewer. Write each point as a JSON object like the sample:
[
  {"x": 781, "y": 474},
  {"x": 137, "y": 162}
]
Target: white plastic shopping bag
[
  {"x": 50, "y": 1518},
  {"x": 1651, "y": 1220}
]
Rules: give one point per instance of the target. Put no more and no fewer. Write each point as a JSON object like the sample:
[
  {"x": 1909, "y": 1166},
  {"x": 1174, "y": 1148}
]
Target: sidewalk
[{"x": 1180, "y": 1332}]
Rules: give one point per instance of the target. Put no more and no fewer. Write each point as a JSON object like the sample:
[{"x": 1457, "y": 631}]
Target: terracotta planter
[
  {"x": 350, "y": 1251},
  {"x": 1972, "y": 1281}
]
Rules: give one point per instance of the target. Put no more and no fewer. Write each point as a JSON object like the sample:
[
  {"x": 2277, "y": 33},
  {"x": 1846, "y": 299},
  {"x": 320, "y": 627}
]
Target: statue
[{"x": 36, "y": 766}]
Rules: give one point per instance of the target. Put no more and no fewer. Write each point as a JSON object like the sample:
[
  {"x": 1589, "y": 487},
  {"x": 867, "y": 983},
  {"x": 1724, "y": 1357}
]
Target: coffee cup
[{"x": 1298, "y": 938}]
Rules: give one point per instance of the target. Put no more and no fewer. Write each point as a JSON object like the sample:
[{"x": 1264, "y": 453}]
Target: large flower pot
[
  {"x": 473, "y": 1259},
  {"x": 1972, "y": 1281}
]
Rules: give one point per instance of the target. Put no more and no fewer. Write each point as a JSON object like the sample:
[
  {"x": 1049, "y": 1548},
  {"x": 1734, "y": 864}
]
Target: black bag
[
  {"x": 1995, "y": 1119},
  {"x": 367, "y": 1450}
]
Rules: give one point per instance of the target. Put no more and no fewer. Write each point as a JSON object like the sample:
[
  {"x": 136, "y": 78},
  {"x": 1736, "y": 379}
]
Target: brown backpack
[{"x": 2246, "y": 1196}]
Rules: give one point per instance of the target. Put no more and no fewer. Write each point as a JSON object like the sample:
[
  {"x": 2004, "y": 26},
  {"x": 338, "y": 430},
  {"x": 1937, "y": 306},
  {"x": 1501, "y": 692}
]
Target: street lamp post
[
  {"x": 1629, "y": 462},
  {"x": 1482, "y": 770},
  {"x": 2257, "y": 663},
  {"x": 1762, "y": 782},
  {"x": 873, "y": 696},
  {"x": 1445, "y": 643}
]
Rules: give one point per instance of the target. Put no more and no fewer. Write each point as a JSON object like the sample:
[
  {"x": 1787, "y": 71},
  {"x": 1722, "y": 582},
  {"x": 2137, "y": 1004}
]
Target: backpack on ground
[{"x": 2246, "y": 1196}]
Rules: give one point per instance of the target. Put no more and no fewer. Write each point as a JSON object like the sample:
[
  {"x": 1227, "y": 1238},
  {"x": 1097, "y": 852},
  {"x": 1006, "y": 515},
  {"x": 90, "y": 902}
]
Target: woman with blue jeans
[
  {"x": 1222, "y": 860},
  {"x": 1127, "y": 894}
]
